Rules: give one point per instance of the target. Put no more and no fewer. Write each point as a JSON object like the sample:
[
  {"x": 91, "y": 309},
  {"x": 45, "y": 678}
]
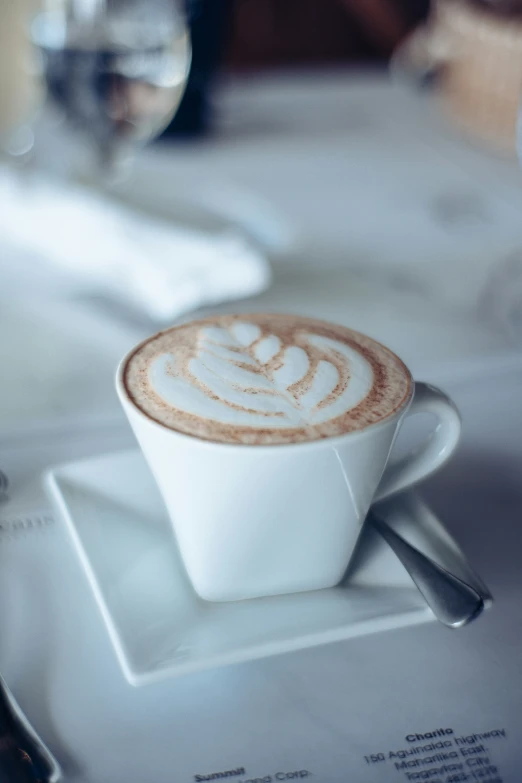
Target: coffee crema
[{"x": 265, "y": 379}]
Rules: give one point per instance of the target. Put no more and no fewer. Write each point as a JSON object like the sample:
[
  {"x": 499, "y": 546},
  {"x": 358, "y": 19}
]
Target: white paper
[{"x": 329, "y": 712}]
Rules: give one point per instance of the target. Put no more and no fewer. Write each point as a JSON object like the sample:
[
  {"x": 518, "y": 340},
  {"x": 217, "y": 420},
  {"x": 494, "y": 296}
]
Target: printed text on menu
[{"x": 444, "y": 756}]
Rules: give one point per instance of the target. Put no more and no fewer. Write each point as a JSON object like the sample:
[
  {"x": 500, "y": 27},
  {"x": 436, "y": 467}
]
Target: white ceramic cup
[{"x": 262, "y": 520}]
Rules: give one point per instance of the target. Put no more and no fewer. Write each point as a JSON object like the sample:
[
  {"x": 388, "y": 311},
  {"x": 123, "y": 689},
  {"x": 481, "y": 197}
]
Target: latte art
[
  {"x": 240, "y": 376},
  {"x": 265, "y": 379}
]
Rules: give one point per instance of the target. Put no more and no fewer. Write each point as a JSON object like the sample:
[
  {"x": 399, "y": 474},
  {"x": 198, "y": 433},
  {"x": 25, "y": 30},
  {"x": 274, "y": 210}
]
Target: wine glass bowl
[{"x": 116, "y": 69}]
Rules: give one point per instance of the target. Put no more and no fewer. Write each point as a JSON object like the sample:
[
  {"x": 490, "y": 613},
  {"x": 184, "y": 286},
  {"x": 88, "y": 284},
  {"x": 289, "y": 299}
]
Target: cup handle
[
  {"x": 433, "y": 452},
  {"x": 421, "y": 55}
]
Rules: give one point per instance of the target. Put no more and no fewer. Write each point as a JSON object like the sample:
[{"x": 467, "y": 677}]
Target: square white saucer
[{"x": 160, "y": 628}]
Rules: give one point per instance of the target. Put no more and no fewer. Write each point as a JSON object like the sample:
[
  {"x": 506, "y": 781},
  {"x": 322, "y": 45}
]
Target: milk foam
[
  {"x": 265, "y": 379},
  {"x": 240, "y": 377}
]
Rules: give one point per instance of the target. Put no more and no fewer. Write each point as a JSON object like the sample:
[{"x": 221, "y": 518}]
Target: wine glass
[{"x": 115, "y": 69}]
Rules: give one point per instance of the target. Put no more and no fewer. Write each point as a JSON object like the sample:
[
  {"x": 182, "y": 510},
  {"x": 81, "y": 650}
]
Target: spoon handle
[{"x": 453, "y": 602}]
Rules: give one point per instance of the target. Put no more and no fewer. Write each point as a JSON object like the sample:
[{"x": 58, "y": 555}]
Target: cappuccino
[{"x": 265, "y": 379}]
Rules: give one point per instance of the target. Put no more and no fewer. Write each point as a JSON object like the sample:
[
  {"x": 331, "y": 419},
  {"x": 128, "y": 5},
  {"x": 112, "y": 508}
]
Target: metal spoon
[{"x": 453, "y": 602}]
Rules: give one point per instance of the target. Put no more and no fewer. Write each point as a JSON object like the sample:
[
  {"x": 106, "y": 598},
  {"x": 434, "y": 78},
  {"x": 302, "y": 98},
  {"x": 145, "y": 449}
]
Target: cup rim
[{"x": 327, "y": 441}]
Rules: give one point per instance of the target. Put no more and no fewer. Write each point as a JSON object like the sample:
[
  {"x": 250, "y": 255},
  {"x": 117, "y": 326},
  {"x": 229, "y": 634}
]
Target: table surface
[
  {"x": 380, "y": 217},
  {"x": 377, "y": 215}
]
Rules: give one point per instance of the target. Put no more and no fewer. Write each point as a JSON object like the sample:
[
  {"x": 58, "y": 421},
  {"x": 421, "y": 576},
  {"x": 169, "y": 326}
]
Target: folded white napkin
[{"x": 93, "y": 244}]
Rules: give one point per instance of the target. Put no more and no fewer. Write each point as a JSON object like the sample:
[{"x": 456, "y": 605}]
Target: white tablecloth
[{"x": 366, "y": 185}]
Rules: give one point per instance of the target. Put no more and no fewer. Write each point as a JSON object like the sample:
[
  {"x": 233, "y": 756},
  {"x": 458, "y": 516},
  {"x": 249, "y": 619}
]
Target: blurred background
[
  {"x": 354, "y": 160},
  {"x": 252, "y": 36}
]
